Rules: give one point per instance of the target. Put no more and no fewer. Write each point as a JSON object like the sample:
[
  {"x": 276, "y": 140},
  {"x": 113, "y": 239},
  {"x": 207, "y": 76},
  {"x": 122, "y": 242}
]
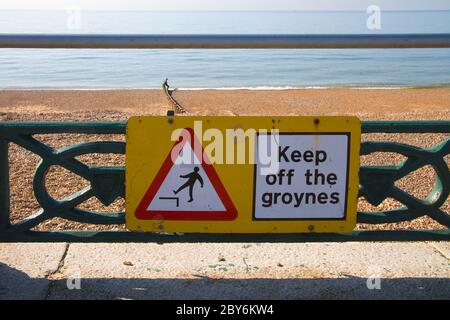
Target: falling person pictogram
[{"x": 192, "y": 179}]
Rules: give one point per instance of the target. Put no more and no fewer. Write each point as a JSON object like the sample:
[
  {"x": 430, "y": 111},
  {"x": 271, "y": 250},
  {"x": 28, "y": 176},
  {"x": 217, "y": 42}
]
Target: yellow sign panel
[{"x": 242, "y": 174}]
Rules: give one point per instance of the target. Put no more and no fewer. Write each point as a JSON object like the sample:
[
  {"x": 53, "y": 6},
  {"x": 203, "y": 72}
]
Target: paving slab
[
  {"x": 253, "y": 271},
  {"x": 25, "y": 267},
  {"x": 442, "y": 247}
]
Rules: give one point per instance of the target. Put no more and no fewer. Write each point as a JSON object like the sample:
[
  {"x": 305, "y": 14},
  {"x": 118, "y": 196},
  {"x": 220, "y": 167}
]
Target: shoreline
[{"x": 250, "y": 88}]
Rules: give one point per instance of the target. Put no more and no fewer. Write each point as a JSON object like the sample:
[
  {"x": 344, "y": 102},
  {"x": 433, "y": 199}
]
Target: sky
[{"x": 252, "y": 5}]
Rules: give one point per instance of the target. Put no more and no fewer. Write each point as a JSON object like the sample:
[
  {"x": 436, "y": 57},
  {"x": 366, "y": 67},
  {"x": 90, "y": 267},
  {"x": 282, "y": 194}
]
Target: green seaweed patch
[{"x": 221, "y": 266}]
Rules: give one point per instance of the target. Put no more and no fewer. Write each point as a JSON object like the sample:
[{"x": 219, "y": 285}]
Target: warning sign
[
  {"x": 186, "y": 188},
  {"x": 242, "y": 174}
]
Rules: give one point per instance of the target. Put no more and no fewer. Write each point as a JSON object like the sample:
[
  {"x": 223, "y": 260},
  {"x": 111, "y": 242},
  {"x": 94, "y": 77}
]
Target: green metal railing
[{"x": 108, "y": 183}]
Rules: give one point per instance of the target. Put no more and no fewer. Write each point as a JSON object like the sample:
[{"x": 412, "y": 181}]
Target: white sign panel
[{"x": 311, "y": 180}]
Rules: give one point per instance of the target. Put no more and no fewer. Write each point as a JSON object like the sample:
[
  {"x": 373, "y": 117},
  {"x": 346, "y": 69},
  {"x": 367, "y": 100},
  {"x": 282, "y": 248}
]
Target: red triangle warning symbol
[{"x": 186, "y": 187}]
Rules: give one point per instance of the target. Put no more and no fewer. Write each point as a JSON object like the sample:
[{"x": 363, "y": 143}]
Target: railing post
[{"x": 4, "y": 186}]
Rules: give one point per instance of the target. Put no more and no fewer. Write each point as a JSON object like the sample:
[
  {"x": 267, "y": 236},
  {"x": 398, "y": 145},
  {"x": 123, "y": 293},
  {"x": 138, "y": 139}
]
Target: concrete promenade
[{"x": 225, "y": 271}]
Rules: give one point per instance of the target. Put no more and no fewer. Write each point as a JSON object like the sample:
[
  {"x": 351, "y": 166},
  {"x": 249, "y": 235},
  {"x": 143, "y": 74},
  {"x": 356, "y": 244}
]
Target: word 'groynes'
[{"x": 242, "y": 174}]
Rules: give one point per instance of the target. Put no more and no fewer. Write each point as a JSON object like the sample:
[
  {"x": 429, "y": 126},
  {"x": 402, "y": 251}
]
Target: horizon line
[{"x": 189, "y": 10}]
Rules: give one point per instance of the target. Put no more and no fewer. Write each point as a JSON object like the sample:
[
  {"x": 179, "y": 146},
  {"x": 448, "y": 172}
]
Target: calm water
[{"x": 37, "y": 68}]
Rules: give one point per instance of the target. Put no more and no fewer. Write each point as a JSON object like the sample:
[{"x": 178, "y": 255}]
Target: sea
[{"x": 222, "y": 69}]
